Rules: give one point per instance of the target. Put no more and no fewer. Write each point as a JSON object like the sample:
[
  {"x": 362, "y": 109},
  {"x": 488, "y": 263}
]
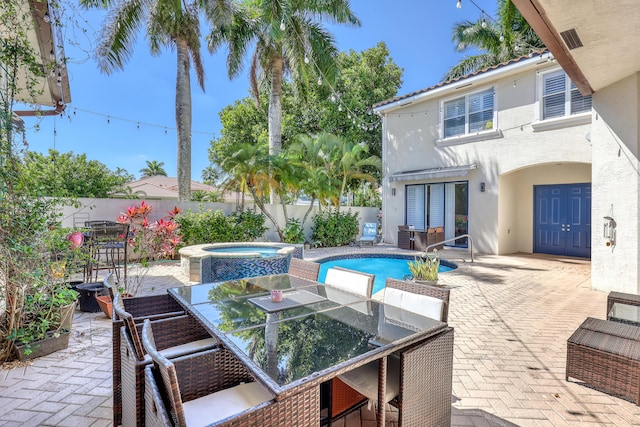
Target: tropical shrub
[
  {"x": 214, "y": 226},
  {"x": 293, "y": 231},
  {"x": 334, "y": 228}
]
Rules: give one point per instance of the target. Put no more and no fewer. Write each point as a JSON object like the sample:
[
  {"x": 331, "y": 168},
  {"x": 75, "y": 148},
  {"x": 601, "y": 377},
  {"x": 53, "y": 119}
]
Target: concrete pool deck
[{"x": 512, "y": 316}]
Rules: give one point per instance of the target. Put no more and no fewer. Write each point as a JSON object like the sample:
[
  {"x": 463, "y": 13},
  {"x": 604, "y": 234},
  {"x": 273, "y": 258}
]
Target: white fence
[{"x": 109, "y": 209}]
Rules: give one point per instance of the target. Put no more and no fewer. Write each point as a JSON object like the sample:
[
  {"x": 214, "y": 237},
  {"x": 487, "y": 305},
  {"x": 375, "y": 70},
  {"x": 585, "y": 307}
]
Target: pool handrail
[{"x": 453, "y": 240}]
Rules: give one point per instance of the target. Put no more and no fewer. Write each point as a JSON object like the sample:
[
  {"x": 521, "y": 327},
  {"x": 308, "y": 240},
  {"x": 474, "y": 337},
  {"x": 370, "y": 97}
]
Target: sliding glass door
[{"x": 438, "y": 205}]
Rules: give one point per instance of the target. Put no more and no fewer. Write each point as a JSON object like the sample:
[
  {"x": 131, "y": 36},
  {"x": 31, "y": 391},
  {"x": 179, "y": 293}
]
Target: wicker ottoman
[{"x": 606, "y": 355}]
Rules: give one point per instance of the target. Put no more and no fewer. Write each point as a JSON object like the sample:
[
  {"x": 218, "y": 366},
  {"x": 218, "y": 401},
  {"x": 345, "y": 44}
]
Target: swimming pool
[{"x": 382, "y": 266}]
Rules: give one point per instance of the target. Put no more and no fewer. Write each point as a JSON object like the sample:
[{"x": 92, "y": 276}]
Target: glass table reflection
[{"x": 305, "y": 345}]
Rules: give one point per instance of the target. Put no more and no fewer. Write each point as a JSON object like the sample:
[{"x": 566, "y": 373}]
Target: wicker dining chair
[
  {"x": 304, "y": 269},
  {"x": 179, "y": 335},
  {"x": 214, "y": 388},
  {"x": 425, "y": 300},
  {"x": 352, "y": 281},
  {"x": 152, "y": 307}
]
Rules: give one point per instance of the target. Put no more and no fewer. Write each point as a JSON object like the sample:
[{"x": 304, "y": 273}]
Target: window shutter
[
  {"x": 454, "y": 114},
  {"x": 553, "y": 95},
  {"x": 481, "y": 111},
  {"x": 579, "y": 103},
  {"x": 436, "y": 205},
  {"x": 415, "y": 206}
]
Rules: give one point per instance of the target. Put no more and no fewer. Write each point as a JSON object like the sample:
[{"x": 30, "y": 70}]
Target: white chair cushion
[
  {"x": 345, "y": 298},
  {"x": 364, "y": 379},
  {"x": 355, "y": 283},
  {"x": 224, "y": 403},
  {"x": 188, "y": 348},
  {"x": 423, "y": 305}
]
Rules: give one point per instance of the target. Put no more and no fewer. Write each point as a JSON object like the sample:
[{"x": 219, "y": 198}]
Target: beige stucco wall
[
  {"x": 615, "y": 138},
  {"x": 497, "y": 216},
  {"x": 110, "y": 209}
]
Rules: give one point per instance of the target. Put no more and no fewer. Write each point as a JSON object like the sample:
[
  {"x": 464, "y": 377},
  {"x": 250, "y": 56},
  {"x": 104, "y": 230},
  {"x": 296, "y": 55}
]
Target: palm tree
[
  {"x": 169, "y": 24},
  {"x": 154, "y": 168},
  {"x": 288, "y": 39},
  {"x": 499, "y": 41}
]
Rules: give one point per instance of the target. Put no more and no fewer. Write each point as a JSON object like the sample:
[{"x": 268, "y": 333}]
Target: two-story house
[
  {"x": 503, "y": 155},
  {"x": 596, "y": 43}
]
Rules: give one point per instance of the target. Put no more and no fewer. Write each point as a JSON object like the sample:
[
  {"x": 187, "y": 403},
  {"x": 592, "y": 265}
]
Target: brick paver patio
[{"x": 512, "y": 316}]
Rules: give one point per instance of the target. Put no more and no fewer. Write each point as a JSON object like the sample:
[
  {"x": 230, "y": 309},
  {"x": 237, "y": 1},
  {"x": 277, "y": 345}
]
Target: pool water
[
  {"x": 262, "y": 250},
  {"x": 382, "y": 267}
]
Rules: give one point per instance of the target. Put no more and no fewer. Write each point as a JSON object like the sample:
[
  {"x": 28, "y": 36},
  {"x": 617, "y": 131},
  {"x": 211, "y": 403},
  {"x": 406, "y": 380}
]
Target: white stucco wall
[
  {"x": 496, "y": 216},
  {"x": 110, "y": 209},
  {"x": 615, "y": 138}
]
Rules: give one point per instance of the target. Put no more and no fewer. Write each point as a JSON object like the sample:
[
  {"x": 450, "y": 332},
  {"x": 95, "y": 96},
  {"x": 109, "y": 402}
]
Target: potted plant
[
  {"x": 42, "y": 321},
  {"x": 425, "y": 269}
]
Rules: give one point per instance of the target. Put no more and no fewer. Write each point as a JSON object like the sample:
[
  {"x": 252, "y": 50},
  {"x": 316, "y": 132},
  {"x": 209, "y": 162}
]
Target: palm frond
[{"x": 118, "y": 35}]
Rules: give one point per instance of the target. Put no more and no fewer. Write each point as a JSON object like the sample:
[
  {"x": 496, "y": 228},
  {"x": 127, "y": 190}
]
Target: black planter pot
[{"x": 88, "y": 293}]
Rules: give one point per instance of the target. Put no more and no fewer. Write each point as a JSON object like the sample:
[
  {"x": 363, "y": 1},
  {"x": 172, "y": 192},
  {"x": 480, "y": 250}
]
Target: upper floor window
[
  {"x": 560, "y": 97},
  {"x": 468, "y": 114}
]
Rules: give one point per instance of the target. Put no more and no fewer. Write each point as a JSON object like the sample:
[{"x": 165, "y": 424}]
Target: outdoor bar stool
[
  {"x": 304, "y": 269},
  {"x": 108, "y": 241},
  {"x": 400, "y": 297},
  {"x": 214, "y": 388},
  {"x": 178, "y": 335}
]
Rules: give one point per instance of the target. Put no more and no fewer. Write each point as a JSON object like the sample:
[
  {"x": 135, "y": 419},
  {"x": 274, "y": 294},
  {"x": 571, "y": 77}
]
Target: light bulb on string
[
  {"x": 306, "y": 59},
  {"x": 108, "y": 120},
  {"x": 165, "y": 131},
  {"x": 282, "y": 26},
  {"x": 333, "y": 98},
  {"x": 483, "y": 24},
  {"x": 340, "y": 107},
  {"x": 319, "y": 81},
  {"x": 459, "y": 4},
  {"x": 501, "y": 37},
  {"x": 52, "y": 55},
  {"x": 46, "y": 18}
]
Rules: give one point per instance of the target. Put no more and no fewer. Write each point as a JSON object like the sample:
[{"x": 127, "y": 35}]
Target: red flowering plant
[{"x": 149, "y": 240}]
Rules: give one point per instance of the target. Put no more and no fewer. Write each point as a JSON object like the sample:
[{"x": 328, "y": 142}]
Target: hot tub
[{"x": 212, "y": 262}]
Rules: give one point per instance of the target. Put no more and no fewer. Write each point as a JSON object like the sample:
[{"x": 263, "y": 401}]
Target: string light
[
  {"x": 459, "y": 4},
  {"x": 282, "y": 26},
  {"x": 46, "y": 18},
  {"x": 306, "y": 59},
  {"x": 484, "y": 22},
  {"x": 319, "y": 81}
]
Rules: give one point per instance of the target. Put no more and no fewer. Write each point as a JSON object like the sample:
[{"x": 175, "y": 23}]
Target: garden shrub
[
  {"x": 334, "y": 228},
  {"x": 293, "y": 231},
  {"x": 215, "y": 227}
]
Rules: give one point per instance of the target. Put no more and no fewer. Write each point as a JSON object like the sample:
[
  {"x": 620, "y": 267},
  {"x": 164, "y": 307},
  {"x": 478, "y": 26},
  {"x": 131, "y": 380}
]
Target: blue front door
[{"x": 562, "y": 223}]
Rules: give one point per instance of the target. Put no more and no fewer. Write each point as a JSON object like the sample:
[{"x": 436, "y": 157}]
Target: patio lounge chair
[
  {"x": 369, "y": 233},
  {"x": 401, "y": 298}
]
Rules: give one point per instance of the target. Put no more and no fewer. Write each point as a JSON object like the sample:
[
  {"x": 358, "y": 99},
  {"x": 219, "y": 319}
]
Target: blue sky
[{"x": 126, "y": 118}]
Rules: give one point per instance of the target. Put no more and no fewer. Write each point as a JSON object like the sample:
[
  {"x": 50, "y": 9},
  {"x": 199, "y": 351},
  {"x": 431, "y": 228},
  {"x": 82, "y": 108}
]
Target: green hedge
[
  {"x": 333, "y": 228},
  {"x": 215, "y": 227}
]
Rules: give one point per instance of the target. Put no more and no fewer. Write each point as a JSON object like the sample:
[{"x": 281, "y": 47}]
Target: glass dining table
[{"x": 318, "y": 332}]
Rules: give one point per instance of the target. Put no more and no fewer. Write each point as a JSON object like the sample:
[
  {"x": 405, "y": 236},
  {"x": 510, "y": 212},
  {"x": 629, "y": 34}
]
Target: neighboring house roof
[
  {"x": 166, "y": 187},
  {"x": 459, "y": 79},
  {"x": 46, "y": 39}
]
